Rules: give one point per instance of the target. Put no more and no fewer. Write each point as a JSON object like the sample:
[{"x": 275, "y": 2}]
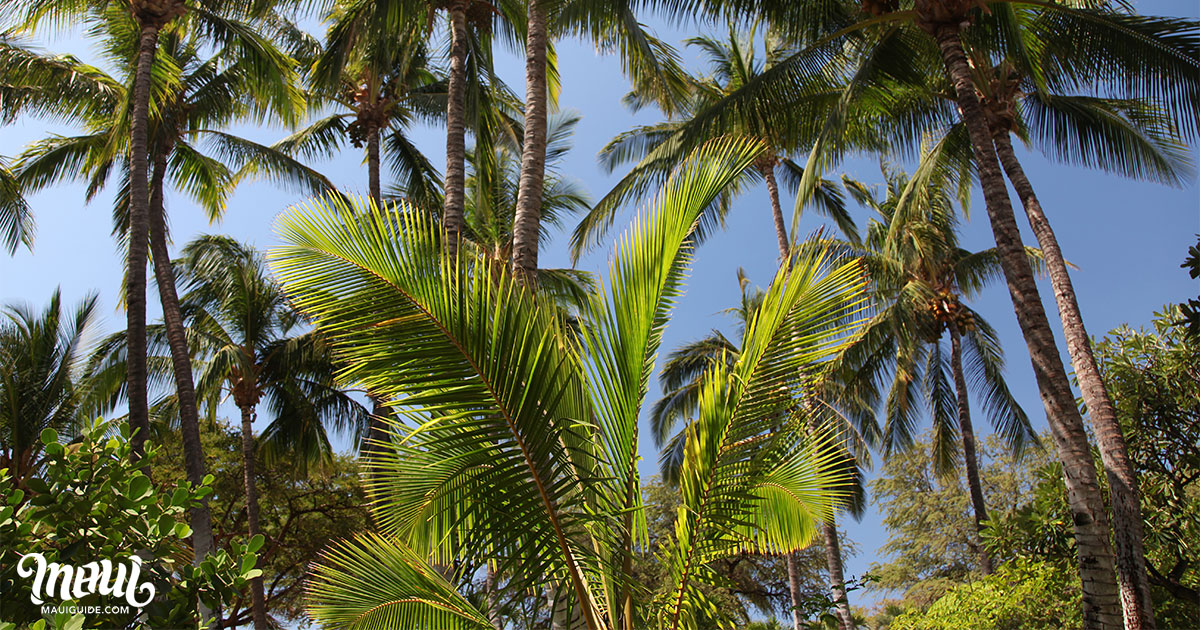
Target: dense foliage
[
  {"x": 302, "y": 512},
  {"x": 1019, "y": 596},
  {"x": 89, "y": 504},
  {"x": 492, "y": 408}
]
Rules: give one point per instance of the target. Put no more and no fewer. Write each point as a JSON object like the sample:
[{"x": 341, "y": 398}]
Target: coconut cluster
[{"x": 158, "y": 13}]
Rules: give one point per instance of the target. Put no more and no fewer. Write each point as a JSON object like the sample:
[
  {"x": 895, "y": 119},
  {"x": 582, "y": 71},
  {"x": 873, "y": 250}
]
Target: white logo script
[{"x": 93, "y": 577}]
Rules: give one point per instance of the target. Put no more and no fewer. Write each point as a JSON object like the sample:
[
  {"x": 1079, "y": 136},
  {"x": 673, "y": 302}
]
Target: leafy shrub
[
  {"x": 1021, "y": 595},
  {"x": 90, "y": 503}
]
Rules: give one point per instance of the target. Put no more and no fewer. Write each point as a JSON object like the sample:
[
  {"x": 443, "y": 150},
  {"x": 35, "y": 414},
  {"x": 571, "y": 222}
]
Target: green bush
[
  {"x": 1021, "y": 595},
  {"x": 89, "y": 503}
]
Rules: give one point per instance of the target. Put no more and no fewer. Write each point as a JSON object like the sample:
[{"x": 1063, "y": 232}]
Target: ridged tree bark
[
  {"x": 456, "y": 129},
  {"x": 766, "y": 166},
  {"x": 138, "y": 236},
  {"x": 1122, "y": 480},
  {"x": 837, "y": 576},
  {"x": 533, "y": 151},
  {"x": 373, "y": 185},
  {"x": 793, "y": 573},
  {"x": 376, "y": 427},
  {"x": 1101, "y": 602},
  {"x": 371, "y": 446},
  {"x": 493, "y": 602},
  {"x": 181, "y": 364},
  {"x": 246, "y": 405},
  {"x": 967, "y": 434}
]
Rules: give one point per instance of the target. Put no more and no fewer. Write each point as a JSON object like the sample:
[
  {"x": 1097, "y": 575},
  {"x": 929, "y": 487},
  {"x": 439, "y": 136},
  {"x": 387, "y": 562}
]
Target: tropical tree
[
  {"x": 370, "y": 24},
  {"x": 493, "y": 178},
  {"x": 16, "y": 220},
  {"x": 921, "y": 278},
  {"x": 253, "y": 351},
  {"x": 1039, "y": 103},
  {"x": 42, "y": 385},
  {"x": 1114, "y": 141},
  {"x": 652, "y": 66},
  {"x": 1087, "y": 44},
  {"x": 381, "y": 85},
  {"x": 657, "y": 149},
  {"x": 682, "y": 380},
  {"x": 247, "y": 78},
  {"x": 524, "y": 449}
]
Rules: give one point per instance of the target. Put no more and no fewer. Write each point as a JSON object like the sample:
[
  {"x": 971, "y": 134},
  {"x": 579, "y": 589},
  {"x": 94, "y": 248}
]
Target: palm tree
[
  {"x": 253, "y": 351},
  {"x": 1038, "y": 103},
  {"x": 249, "y": 77},
  {"x": 1088, "y": 43},
  {"x": 41, "y": 383},
  {"x": 382, "y": 86},
  {"x": 492, "y": 183},
  {"x": 652, "y": 66},
  {"x": 682, "y": 380},
  {"x": 656, "y": 150},
  {"x": 150, "y": 17},
  {"x": 1111, "y": 121},
  {"x": 16, "y": 220},
  {"x": 921, "y": 278},
  {"x": 524, "y": 447},
  {"x": 372, "y": 24}
]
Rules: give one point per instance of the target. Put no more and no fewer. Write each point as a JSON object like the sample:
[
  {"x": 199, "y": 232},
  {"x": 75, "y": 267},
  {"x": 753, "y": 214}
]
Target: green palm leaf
[{"x": 376, "y": 582}]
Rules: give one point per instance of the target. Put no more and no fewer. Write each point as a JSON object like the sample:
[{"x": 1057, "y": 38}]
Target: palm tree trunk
[
  {"x": 833, "y": 549},
  {"x": 138, "y": 235},
  {"x": 1100, "y": 598},
  {"x": 371, "y": 446},
  {"x": 189, "y": 415},
  {"x": 493, "y": 602},
  {"x": 257, "y": 598},
  {"x": 837, "y": 578},
  {"x": 793, "y": 572},
  {"x": 970, "y": 459},
  {"x": 768, "y": 173},
  {"x": 1122, "y": 480},
  {"x": 456, "y": 149},
  {"x": 767, "y": 169},
  {"x": 373, "y": 167},
  {"x": 533, "y": 150},
  {"x": 376, "y": 426}
]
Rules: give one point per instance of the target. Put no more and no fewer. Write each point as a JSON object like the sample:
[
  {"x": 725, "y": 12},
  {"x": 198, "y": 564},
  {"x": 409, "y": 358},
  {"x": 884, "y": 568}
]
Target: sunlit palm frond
[{"x": 376, "y": 582}]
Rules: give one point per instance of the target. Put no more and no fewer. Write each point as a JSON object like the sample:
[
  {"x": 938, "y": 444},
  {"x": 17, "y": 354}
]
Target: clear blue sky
[{"x": 1127, "y": 238}]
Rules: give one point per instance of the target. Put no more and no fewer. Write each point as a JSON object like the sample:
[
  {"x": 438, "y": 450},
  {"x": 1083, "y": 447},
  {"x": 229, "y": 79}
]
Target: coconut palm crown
[{"x": 519, "y": 446}]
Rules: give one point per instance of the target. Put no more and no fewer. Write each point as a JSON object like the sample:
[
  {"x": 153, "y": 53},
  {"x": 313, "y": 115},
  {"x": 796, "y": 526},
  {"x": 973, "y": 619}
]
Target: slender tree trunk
[
  {"x": 1100, "y": 597},
  {"x": 189, "y": 415},
  {"x": 138, "y": 235},
  {"x": 372, "y": 445},
  {"x": 257, "y": 597},
  {"x": 837, "y": 578},
  {"x": 781, "y": 235},
  {"x": 970, "y": 459},
  {"x": 626, "y": 590},
  {"x": 373, "y": 167},
  {"x": 1122, "y": 480},
  {"x": 376, "y": 427},
  {"x": 493, "y": 602},
  {"x": 533, "y": 150},
  {"x": 456, "y": 125},
  {"x": 768, "y": 172},
  {"x": 793, "y": 572},
  {"x": 833, "y": 549}
]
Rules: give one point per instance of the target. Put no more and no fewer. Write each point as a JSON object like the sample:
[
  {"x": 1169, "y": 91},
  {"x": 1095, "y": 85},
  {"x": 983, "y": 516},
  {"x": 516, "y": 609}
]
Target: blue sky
[{"x": 1126, "y": 238}]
